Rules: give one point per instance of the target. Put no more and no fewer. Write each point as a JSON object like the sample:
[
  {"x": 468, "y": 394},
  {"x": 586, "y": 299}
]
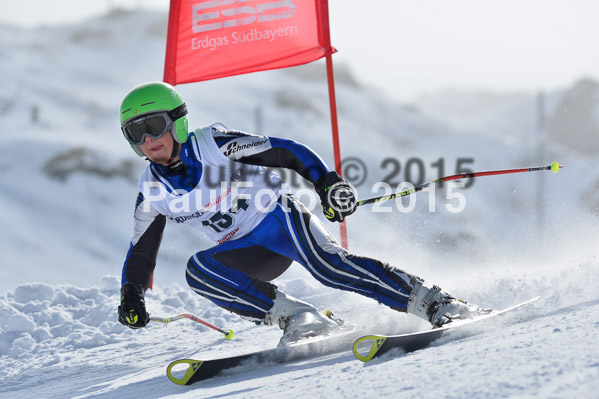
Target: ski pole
[
  {"x": 228, "y": 333},
  {"x": 554, "y": 167}
]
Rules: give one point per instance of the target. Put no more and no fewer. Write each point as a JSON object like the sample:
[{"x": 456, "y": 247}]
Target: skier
[{"x": 214, "y": 179}]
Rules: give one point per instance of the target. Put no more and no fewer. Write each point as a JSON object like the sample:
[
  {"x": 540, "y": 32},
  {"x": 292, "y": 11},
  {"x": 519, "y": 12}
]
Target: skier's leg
[
  {"x": 233, "y": 276},
  {"x": 330, "y": 264},
  {"x": 228, "y": 287},
  {"x": 333, "y": 266}
]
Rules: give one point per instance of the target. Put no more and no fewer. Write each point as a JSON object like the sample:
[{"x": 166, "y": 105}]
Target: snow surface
[{"x": 67, "y": 188}]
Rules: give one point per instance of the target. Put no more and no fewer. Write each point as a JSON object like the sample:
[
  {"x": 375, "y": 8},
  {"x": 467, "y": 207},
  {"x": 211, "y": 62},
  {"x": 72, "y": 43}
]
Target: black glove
[
  {"x": 132, "y": 311},
  {"x": 336, "y": 196}
]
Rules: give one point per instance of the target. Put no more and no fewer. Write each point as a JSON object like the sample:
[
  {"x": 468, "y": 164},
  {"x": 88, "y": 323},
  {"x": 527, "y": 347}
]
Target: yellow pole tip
[
  {"x": 230, "y": 334},
  {"x": 555, "y": 167}
]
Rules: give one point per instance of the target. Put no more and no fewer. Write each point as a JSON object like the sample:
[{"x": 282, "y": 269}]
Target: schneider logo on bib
[{"x": 234, "y": 147}]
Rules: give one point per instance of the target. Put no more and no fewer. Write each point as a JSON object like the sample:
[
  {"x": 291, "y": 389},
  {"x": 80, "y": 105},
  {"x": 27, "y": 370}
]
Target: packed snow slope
[{"x": 67, "y": 189}]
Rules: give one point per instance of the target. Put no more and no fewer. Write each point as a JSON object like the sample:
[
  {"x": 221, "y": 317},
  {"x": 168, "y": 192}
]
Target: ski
[
  {"x": 338, "y": 341},
  {"x": 369, "y": 347},
  {"x": 199, "y": 370}
]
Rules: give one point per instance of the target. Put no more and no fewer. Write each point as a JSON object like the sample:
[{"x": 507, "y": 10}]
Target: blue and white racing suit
[{"x": 222, "y": 188}]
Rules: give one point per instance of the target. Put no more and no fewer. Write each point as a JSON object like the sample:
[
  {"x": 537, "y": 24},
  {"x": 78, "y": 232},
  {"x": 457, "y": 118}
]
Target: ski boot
[
  {"x": 439, "y": 308},
  {"x": 297, "y": 319}
]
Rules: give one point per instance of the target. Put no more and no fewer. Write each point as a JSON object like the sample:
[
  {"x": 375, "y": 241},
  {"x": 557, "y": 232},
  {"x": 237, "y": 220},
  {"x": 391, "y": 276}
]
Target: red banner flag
[{"x": 210, "y": 39}]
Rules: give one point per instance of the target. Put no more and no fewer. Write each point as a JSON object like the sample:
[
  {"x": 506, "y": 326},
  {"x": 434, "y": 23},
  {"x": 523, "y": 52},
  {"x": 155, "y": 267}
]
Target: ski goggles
[{"x": 154, "y": 125}]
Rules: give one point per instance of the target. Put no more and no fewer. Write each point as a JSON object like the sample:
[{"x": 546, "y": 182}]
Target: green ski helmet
[{"x": 152, "y": 109}]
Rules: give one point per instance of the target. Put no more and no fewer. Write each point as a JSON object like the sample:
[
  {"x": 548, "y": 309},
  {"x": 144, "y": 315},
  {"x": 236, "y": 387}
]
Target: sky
[{"x": 408, "y": 48}]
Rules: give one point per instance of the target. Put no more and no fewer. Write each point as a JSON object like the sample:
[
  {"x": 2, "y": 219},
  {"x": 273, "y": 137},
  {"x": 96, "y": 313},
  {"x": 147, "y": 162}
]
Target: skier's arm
[
  {"x": 273, "y": 152},
  {"x": 337, "y": 197},
  {"x": 139, "y": 264},
  {"x": 143, "y": 250}
]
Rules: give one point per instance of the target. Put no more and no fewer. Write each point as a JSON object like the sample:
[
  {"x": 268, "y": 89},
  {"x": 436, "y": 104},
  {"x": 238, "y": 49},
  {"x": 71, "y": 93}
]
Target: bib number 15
[{"x": 220, "y": 221}]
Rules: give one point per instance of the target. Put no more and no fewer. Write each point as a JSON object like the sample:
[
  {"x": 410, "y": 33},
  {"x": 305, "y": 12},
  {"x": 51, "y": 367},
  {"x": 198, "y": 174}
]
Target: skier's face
[{"x": 158, "y": 150}]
